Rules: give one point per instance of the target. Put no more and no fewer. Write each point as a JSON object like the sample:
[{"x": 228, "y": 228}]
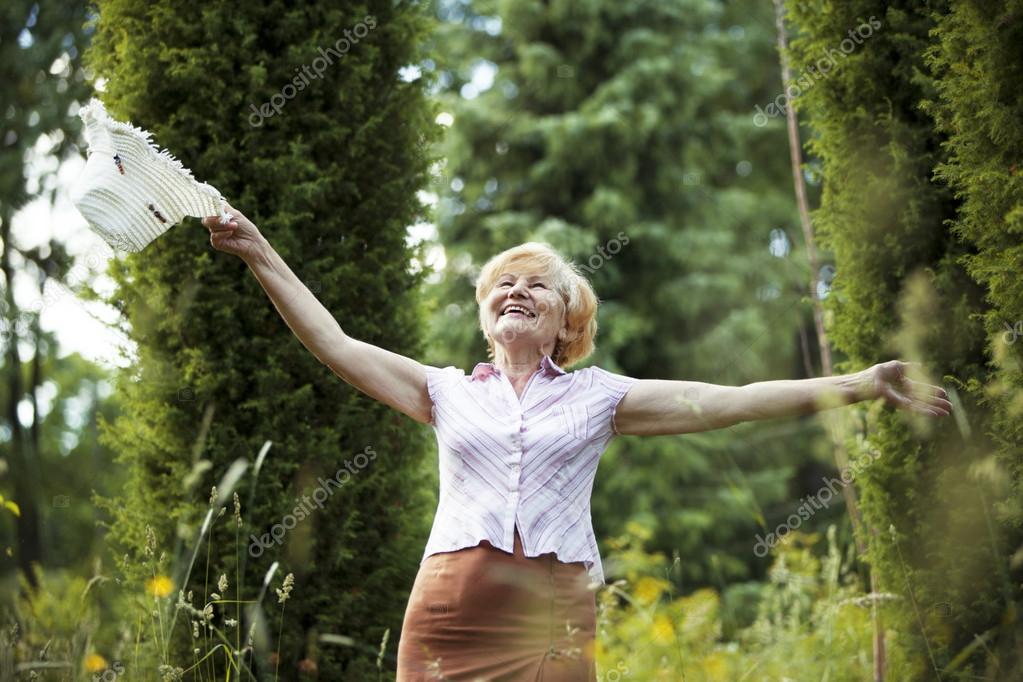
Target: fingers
[
  {"x": 934, "y": 396},
  {"x": 893, "y": 396},
  {"x": 230, "y": 213},
  {"x": 936, "y": 409},
  {"x": 938, "y": 390},
  {"x": 942, "y": 403},
  {"x": 933, "y": 409},
  {"x": 214, "y": 225},
  {"x": 924, "y": 408}
]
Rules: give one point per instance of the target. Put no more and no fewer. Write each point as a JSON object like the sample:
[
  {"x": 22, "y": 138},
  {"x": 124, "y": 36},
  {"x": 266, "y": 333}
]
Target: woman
[{"x": 505, "y": 589}]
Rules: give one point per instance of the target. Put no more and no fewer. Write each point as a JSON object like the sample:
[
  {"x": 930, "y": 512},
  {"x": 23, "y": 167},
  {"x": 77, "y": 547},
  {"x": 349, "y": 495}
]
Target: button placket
[
  {"x": 516, "y": 469},
  {"x": 517, "y": 452}
]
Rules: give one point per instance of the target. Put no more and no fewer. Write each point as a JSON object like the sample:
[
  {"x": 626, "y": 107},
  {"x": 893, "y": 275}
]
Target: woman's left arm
[{"x": 661, "y": 407}]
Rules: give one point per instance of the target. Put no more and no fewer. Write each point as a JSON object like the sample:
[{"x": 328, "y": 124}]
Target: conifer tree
[
  {"x": 298, "y": 114},
  {"x": 914, "y": 196}
]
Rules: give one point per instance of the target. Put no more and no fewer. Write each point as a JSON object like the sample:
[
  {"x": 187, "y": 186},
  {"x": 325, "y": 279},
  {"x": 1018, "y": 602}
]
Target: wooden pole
[{"x": 841, "y": 458}]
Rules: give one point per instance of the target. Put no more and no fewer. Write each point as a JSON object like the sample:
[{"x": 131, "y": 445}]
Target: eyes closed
[{"x": 535, "y": 284}]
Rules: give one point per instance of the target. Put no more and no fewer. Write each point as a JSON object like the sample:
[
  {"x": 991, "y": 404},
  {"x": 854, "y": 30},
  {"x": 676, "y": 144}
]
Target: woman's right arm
[{"x": 391, "y": 378}]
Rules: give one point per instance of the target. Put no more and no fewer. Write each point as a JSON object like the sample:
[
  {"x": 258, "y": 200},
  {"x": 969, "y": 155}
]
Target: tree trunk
[{"x": 29, "y": 545}]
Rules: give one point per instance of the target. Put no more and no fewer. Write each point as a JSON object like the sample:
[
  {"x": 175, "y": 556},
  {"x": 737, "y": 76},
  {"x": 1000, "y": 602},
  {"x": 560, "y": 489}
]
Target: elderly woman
[{"x": 505, "y": 589}]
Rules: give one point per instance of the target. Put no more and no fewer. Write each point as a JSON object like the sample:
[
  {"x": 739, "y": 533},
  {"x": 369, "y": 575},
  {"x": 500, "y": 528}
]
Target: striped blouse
[{"x": 530, "y": 462}]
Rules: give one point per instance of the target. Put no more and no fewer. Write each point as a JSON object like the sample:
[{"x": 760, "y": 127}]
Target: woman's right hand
[{"x": 239, "y": 236}]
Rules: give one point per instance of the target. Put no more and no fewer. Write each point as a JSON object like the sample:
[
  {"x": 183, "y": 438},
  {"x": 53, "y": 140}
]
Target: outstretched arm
[
  {"x": 660, "y": 407},
  {"x": 393, "y": 379}
]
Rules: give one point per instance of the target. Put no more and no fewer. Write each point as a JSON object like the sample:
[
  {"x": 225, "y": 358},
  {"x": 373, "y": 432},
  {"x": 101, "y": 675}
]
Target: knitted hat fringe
[
  {"x": 95, "y": 112},
  {"x": 113, "y": 204}
]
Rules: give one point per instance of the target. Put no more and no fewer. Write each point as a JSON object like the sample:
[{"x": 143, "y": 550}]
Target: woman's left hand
[{"x": 889, "y": 381}]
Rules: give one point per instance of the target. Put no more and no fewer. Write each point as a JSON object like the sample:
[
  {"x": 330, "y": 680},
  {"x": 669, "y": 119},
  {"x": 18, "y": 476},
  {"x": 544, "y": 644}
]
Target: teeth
[{"x": 519, "y": 309}]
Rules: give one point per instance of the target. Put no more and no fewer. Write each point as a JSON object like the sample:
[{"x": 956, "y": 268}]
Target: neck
[{"x": 517, "y": 362}]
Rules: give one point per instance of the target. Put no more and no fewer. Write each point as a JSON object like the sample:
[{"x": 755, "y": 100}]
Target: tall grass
[{"x": 227, "y": 639}]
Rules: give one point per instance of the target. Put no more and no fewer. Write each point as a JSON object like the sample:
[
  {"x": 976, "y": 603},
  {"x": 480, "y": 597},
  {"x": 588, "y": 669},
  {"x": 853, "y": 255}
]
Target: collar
[{"x": 482, "y": 370}]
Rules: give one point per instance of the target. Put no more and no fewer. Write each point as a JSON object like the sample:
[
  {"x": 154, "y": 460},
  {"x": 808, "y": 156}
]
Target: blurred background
[{"x": 757, "y": 191}]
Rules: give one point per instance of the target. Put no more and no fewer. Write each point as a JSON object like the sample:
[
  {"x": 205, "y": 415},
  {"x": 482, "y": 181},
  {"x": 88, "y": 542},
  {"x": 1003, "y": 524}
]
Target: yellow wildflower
[
  {"x": 159, "y": 586},
  {"x": 717, "y": 668},
  {"x": 95, "y": 663},
  {"x": 662, "y": 631},
  {"x": 648, "y": 589},
  {"x": 638, "y": 530}
]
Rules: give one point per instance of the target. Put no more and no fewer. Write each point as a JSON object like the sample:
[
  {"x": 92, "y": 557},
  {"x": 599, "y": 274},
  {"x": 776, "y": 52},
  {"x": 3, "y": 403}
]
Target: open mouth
[{"x": 518, "y": 311}]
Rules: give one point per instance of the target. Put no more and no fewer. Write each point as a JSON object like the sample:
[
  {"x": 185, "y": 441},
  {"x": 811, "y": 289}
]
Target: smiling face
[
  {"x": 559, "y": 307},
  {"x": 523, "y": 309}
]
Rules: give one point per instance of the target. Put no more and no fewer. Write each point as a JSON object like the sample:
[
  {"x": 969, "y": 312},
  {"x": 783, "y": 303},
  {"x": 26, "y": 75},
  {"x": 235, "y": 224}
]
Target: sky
[{"x": 78, "y": 325}]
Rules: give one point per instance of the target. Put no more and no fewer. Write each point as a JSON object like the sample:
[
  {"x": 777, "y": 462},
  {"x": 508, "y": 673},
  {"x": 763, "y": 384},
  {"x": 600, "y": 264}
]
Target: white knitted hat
[{"x": 130, "y": 191}]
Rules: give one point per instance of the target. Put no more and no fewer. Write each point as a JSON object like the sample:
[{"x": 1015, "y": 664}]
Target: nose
[{"x": 519, "y": 288}]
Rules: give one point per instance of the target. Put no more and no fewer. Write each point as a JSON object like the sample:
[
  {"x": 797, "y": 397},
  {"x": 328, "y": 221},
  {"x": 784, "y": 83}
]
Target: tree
[
  {"x": 299, "y": 116},
  {"x": 908, "y": 286},
  {"x": 40, "y": 50},
  {"x": 979, "y": 110}
]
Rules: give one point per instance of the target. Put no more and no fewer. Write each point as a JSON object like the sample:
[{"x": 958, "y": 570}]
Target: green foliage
[
  {"x": 40, "y": 47},
  {"x": 979, "y": 108},
  {"x": 68, "y": 628},
  {"x": 331, "y": 181},
  {"x": 73, "y": 628},
  {"x": 811, "y": 621},
  {"x": 912, "y": 151},
  {"x": 73, "y": 395},
  {"x": 61, "y": 610}
]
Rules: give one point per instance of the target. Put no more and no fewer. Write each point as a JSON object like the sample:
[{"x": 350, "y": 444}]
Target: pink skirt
[{"x": 480, "y": 613}]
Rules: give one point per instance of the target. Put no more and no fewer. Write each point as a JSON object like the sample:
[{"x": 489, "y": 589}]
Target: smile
[{"x": 517, "y": 310}]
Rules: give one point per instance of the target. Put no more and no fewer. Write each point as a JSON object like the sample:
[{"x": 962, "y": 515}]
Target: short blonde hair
[{"x": 580, "y": 300}]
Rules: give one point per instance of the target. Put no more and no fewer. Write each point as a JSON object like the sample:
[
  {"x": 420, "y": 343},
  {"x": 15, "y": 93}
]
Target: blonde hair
[{"x": 580, "y": 300}]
